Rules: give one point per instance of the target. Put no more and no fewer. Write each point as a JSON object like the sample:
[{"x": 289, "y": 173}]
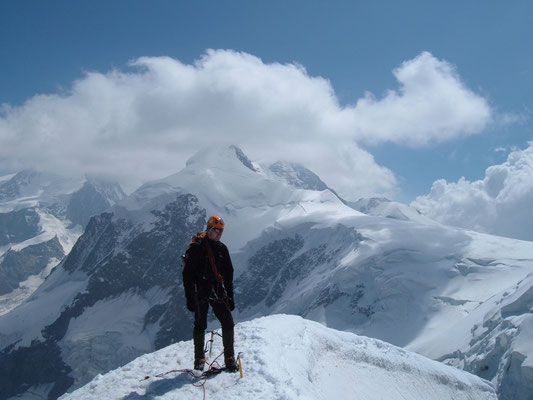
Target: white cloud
[
  {"x": 144, "y": 123},
  {"x": 432, "y": 105},
  {"x": 499, "y": 204}
]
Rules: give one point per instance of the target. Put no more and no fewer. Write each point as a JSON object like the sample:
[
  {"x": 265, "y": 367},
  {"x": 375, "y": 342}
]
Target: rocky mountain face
[
  {"x": 93, "y": 198},
  {"x": 18, "y": 226},
  {"x": 17, "y": 266},
  {"x": 455, "y": 296},
  {"x": 298, "y": 176},
  {"x": 448, "y": 296},
  {"x": 41, "y": 216},
  {"x": 18, "y": 186},
  {"x": 116, "y": 256}
]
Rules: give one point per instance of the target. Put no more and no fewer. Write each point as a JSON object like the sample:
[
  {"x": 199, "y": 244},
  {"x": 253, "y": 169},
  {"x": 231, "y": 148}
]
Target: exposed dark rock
[
  {"x": 298, "y": 176},
  {"x": 37, "y": 364},
  {"x": 242, "y": 158},
  {"x": 284, "y": 262},
  {"x": 18, "y": 226},
  {"x": 17, "y": 266},
  {"x": 264, "y": 268},
  {"x": 119, "y": 257},
  {"x": 92, "y": 199}
]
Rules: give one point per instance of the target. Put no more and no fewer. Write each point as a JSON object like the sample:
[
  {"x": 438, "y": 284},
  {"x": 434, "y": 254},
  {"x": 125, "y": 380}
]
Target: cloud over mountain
[
  {"x": 499, "y": 204},
  {"x": 144, "y": 123}
]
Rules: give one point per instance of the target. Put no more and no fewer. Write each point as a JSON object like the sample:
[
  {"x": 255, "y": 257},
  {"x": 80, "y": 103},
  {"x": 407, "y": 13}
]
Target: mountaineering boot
[
  {"x": 229, "y": 353},
  {"x": 227, "y": 341},
  {"x": 199, "y": 354},
  {"x": 199, "y": 364},
  {"x": 231, "y": 365}
]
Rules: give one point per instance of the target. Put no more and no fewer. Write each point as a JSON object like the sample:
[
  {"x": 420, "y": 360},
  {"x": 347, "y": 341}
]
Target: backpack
[{"x": 195, "y": 240}]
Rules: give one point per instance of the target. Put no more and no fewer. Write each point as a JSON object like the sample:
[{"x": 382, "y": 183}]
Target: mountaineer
[{"x": 208, "y": 280}]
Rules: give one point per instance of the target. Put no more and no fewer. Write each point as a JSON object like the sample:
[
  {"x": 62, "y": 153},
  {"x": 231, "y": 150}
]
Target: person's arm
[
  {"x": 189, "y": 276},
  {"x": 228, "y": 278}
]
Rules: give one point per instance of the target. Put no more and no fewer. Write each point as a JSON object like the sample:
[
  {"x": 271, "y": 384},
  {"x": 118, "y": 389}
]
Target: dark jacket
[{"x": 198, "y": 277}]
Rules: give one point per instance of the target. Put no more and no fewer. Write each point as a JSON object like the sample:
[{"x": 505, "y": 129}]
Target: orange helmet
[{"x": 215, "y": 222}]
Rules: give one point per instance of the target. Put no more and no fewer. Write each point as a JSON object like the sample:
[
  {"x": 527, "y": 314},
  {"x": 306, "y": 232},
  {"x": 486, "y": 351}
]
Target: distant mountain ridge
[
  {"x": 300, "y": 177},
  {"x": 41, "y": 216},
  {"x": 383, "y": 207},
  {"x": 453, "y": 295}
]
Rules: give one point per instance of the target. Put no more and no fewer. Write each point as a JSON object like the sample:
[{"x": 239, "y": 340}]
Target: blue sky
[{"x": 354, "y": 45}]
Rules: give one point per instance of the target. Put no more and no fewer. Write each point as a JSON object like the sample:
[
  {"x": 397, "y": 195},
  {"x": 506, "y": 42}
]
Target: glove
[
  {"x": 231, "y": 304},
  {"x": 191, "y": 305}
]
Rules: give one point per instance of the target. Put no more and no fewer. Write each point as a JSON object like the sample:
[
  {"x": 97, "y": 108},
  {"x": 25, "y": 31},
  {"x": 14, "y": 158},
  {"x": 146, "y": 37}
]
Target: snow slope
[
  {"x": 382, "y": 207},
  {"x": 287, "y": 357}
]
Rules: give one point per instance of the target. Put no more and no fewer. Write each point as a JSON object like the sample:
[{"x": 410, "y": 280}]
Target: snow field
[{"x": 288, "y": 357}]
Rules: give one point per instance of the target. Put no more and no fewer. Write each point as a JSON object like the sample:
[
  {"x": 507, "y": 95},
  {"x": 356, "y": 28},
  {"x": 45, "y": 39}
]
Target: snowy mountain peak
[
  {"x": 221, "y": 157},
  {"x": 111, "y": 191},
  {"x": 18, "y": 185},
  {"x": 288, "y": 357},
  {"x": 298, "y": 176},
  {"x": 94, "y": 197}
]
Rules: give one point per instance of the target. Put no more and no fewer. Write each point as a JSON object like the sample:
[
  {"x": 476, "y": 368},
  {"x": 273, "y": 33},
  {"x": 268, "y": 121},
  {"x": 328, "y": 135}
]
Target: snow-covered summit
[
  {"x": 225, "y": 176},
  {"x": 210, "y": 173},
  {"x": 227, "y": 183},
  {"x": 288, "y": 357},
  {"x": 109, "y": 190},
  {"x": 221, "y": 157}
]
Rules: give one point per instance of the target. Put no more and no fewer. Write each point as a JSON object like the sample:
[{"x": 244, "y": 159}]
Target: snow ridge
[{"x": 287, "y": 357}]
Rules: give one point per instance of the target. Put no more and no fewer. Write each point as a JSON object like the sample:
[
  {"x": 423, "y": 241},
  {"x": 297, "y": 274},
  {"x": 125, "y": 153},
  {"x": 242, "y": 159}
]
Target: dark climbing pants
[{"x": 223, "y": 314}]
